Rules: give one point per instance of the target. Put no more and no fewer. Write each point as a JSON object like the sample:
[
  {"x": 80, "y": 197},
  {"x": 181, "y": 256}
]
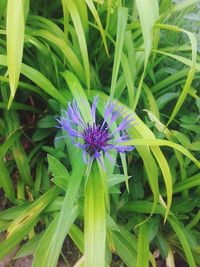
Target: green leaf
[
  {"x": 21, "y": 159},
  {"x": 77, "y": 236},
  {"x": 15, "y": 42},
  {"x": 60, "y": 173},
  {"x": 179, "y": 58},
  {"x": 79, "y": 95},
  {"x": 95, "y": 220},
  {"x": 41, "y": 257},
  {"x": 162, "y": 245},
  {"x": 10, "y": 243},
  {"x": 30, "y": 247},
  {"x": 123, "y": 249},
  {"x": 98, "y": 21},
  {"x": 195, "y": 146},
  {"x": 46, "y": 122},
  {"x": 149, "y": 13},
  {"x": 69, "y": 54},
  {"x": 114, "y": 179},
  {"x": 143, "y": 207},
  {"x": 183, "y": 240},
  {"x": 128, "y": 78},
  {"x": 143, "y": 247},
  {"x": 183, "y": 5},
  {"x": 39, "y": 79},
  {"x": 40, "y": 134},
  {"x": 121, "y": 29},
  {"x": 191, "y": 73},
  {"x": 8, "y": 142},
  {"x": 159, "y": 142},
  {"x": 74, "y": 13},
  {"x": 151, "y": 101},
  {"x": 6, "y": 181},
  {"x": 188, "y": 183},
  {"x": 68, "y": 203},
  {"x": 25, "y": 221},
  {"x": 32, "y": 211}
]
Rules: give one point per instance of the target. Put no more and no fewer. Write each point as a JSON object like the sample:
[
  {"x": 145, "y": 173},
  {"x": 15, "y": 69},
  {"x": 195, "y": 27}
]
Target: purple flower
[{"x": 96, "y": 138}]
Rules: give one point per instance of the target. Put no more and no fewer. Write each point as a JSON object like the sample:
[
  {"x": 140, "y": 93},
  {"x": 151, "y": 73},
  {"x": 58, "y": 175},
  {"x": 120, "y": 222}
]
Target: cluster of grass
[{"x": 139, "y": 53}]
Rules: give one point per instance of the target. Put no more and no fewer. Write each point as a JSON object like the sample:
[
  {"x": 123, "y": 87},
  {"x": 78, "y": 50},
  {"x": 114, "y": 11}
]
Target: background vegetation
[{"x": 143, "y": 53}]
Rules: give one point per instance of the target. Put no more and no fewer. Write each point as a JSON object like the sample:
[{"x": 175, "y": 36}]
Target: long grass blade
[
  {"x": 149, "y": 14},
  {"x": 183, "y": 240},
  {"x": 15, "y": 42},
  {"x": 41, "y": 256},
  {"x": 143, "y": 247},
  {"x": 191, "y": 73},
  {"x": 158, "y": 142},
  {"x": 74, "y": 13},
  {"x": 68, "y": 203},
  {"x": 121, "y": 29},
  {"x": 98, "y": 21},
  {"x": 6, "y": 181},
  {"x": 95, "y": 221}
]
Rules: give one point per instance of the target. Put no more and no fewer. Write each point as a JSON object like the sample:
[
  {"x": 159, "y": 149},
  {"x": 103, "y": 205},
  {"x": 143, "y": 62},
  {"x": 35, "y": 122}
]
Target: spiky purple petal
[{"x": 97, "y": 138}]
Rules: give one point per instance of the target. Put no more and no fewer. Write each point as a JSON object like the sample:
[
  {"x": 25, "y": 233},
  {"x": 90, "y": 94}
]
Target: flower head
[{"x": 93, "y": 137}]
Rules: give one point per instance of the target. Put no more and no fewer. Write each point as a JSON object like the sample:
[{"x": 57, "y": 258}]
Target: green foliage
[{"x": 145, "y": 55}]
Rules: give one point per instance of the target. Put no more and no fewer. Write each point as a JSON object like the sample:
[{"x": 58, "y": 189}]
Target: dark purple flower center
[{"x": 95, "y": 138}]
